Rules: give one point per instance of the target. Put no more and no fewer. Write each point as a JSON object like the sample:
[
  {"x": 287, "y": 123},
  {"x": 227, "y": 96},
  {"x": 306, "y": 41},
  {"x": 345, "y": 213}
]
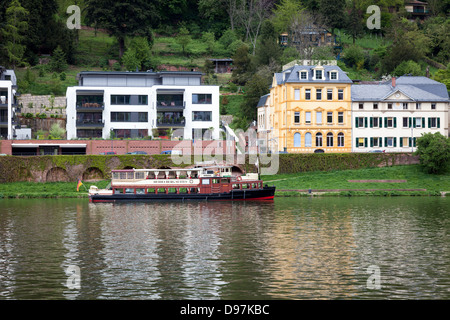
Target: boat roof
[{"x": 172, "y": 169}]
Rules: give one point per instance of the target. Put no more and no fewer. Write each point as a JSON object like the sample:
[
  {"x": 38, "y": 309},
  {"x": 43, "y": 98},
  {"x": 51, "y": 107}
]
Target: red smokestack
[{"x": 393, "y": 81}]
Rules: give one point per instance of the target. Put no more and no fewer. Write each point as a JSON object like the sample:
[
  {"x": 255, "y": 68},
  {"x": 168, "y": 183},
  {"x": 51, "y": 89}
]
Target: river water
[{"x": 291, "y": 248}]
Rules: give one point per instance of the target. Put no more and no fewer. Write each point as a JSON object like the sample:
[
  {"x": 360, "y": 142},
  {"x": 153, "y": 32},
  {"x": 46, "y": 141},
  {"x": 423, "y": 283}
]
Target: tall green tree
[
  {"x": 183, "y": 38},
  {"x": 13, "y": 32},
  {"x": 332, "y": 12},
  {"x": 127, "y": 18},
  {"x": 433, "y": 150},
  {"x": 242, "y": 65},
  {"x": 254, "y": 89}
]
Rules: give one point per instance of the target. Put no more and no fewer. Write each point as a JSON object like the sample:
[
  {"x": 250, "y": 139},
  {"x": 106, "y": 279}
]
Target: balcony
[
  {"x": 170, "y": 123},
  {"x": 86, "y": 123},
  {"x": 170, "y": 101},
  {"x": 90, "y": 106}
]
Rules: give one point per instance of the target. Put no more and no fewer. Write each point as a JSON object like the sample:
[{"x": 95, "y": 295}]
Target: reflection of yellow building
[{"x": 308, "y": 110}]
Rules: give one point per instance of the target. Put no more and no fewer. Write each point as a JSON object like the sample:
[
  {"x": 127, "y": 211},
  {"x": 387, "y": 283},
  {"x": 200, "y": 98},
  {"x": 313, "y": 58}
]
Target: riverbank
[{"x": 385, "y": 181}]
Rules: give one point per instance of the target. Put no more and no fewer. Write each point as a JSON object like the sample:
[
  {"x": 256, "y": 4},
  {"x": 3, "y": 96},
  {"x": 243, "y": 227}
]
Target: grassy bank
[
  {"x": 337, "y": 182},
  {"x": 334, "y": 183},
  {"x": 46, "y": 190}
]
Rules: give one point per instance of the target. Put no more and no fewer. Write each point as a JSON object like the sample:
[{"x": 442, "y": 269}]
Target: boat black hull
[{"x": 267, "y": 193}]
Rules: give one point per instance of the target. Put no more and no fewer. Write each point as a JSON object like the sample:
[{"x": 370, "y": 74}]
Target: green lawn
[
  {"x": 416, "y": 179},
  {"x": 47, "y": 190}
]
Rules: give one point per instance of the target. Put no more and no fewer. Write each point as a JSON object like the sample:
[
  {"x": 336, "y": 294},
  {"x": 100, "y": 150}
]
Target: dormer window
[
  {"x": 333, "y": 75},
  {"x": 318, "y": 74},
  {"x": 303, "y": 75}
]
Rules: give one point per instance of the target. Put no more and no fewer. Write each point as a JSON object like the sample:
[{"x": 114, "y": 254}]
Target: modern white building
[
  {"x": 8, "y": 103},
  {"x": 141, "y": 104},
  {"x": 389, "y": 116}
]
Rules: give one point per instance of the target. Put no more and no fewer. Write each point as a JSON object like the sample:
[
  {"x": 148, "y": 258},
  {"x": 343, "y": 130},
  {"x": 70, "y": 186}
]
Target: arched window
[
  {"x": 340, "y": 139},
  {"x": 308, "y": 140},
  {"x": 297, "y": 139},
  {"x": 318, "y": 139},
  {"x": 329, "y": 139}
]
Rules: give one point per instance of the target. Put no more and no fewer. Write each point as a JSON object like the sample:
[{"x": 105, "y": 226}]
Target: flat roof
[{"x": 62, "y": 145}]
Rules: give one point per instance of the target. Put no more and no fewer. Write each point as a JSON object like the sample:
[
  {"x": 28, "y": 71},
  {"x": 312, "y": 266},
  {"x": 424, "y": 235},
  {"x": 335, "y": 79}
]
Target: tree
[
  {"x": 123, "y": 18},
  {"x": 408, "y": 67},
  {"x": 58, "y": 62},
  {"x": 434, "y": 152},
  {"x": 242, "y": 65},
  {"x": 137, "y": 55},
  {"x": 183, "y": 38},
  {"x": 209, "y": 39},
  {"x": 443, "y": 76},
  {"x": 255, "y": 88},
  {"x": 284, "y": 14},
  {"x": 130, "y": 60},
  {"x": 409, "y": 43},
  {"x": 268, "y": 48},
  {"x": 332, "y": 12},
  {"x": 56, "y": 132},
  {"x": 14, "y": 32}
]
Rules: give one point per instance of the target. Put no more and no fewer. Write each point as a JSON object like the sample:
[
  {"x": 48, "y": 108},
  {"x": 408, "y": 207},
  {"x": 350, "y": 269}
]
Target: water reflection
[{"x": 298, "y": 248}]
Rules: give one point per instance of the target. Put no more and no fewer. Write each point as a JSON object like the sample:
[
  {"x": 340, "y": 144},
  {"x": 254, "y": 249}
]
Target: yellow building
[{"x": 308, "y": 110}]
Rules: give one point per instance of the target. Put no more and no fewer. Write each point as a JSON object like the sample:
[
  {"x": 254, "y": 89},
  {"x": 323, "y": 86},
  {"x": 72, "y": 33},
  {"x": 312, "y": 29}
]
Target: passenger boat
[{"x": 200, "y": 183}]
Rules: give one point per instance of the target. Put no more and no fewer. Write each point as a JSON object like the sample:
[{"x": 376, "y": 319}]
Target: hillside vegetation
[{"x": 184, "y": 34}]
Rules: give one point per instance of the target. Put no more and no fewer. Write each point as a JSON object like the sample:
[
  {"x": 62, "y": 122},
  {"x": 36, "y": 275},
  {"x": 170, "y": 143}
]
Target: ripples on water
[{"x": 292, "y": 248}]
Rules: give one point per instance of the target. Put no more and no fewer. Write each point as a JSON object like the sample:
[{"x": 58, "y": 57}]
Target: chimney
[{"x": 393, "y": 82}]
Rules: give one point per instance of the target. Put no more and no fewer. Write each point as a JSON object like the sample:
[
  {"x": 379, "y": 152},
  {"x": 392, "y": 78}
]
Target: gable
[{"x": 398, "y": 96}]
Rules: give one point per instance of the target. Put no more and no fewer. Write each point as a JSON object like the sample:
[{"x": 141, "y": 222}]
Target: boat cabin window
[
  {"x": 244, "y": 186},
  {"x": 209, "y": 171},
  {"x": 215, "y": 181},
  {"x": 129, "y": 190},
  {"x": 235, "y": 186},
  {"x": 183, "y": 190},
  {"x": 161, "y": 190},
  {"x": 225, "y": 180},
  {"x": 150, "y": 190},
  {"x": 118, "y": 191},
  {"x": 172, "y": 190},
  {"x": 139, "y": 175},
  {"x": 205, "y": 181},
  {"x": 140, "y": 191}
]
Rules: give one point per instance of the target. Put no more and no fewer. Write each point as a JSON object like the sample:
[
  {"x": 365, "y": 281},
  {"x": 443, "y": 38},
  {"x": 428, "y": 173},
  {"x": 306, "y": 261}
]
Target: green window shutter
[
  {"x": 410, "y": 142},
  {"x": 371, "y": 140},
  {"x": 356, "y": 123},
  {"x": 423, "y": 122},
  {"x": 414, "y": 122},
  {"x": 395, "y": 122},
  {"x": 385, "y": 122},
  {"x": 380, "y": 122},
  {"x": 438, "y": 122},
  {"x": 401, "y": 142},
  {"x": 356, "y": 143},
  {"x": 414, "y": 143},
  {"x": 365, "y": 142},
  {"x": 385, "y": 141},
  {"x": 380, "y": 142},
  {"x": 410, "y": 122},
  {"x": 365, "y": 122},
  {"x": 371, "y": 122},
  {"x": 429, "y": 122},
  {"x": 395, "y": 141}
]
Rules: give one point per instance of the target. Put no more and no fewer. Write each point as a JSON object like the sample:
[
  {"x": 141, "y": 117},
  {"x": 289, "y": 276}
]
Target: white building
[
  {"x": 8, "y": 103},
  {"x": 390, "y": 116},
  {"x": 133, "y": 104}
]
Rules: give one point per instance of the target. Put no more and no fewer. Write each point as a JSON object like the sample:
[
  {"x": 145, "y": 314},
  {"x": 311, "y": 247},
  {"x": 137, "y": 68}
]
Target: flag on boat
[{"x": 79, "y": 185}]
